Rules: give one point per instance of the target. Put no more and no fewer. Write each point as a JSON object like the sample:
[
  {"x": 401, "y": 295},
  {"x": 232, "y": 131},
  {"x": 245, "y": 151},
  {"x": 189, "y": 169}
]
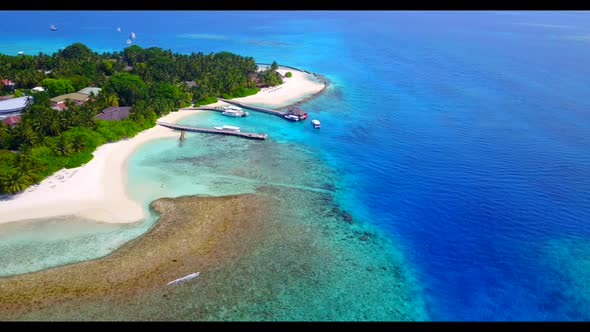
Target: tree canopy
[
  {"x": 76, "y": 51},
  {"x": 56, "y": 87},
  {"x": 127, "y": 86},
  {"x": 152, "y": 81}
]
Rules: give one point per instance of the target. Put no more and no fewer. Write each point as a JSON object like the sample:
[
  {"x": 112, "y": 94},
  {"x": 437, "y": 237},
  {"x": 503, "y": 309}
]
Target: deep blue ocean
[{"x": 464, "y": 135}]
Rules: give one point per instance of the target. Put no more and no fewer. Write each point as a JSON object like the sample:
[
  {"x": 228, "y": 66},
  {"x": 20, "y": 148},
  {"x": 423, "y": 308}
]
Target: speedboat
[
  {"x": 52, "y": 28},
  {"x": 316, "y": 124},
  {"x": 21, "y": 53},
  {"x": 118, "y": 29},
  {"x": 128, "y": 41},
  {"x": 292, "y": 117},
  {"x": 234, "y": 113},
  {"x": 229, "y": 128},
  {"x": 132, "y": 35},
  {"x": 231, "y": 107}
]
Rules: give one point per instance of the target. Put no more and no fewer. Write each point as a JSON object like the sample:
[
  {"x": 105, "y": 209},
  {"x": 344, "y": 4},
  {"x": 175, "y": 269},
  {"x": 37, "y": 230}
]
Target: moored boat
[
  {"x": 315, "y": 123},
  {"x": 234, "y": 113},
  {"x": 292, "y": 117},
  {"x": 296, "y": 114},
  {"x": 229, "y": 128}
]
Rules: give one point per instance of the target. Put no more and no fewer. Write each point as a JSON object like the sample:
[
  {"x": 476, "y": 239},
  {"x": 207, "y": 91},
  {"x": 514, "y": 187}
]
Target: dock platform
[
  {"x": 254, "y": 108},
  {"x": 256, "y": 136}
]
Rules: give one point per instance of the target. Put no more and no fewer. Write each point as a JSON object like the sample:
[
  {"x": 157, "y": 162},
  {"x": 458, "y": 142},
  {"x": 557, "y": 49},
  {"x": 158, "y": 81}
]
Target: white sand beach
[
  {"x": 301, "y": 85},
  {"x": 97, "y": 190}
]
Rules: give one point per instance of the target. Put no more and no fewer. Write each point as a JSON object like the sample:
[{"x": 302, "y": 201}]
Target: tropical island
[{"x": 77, "y": 100}]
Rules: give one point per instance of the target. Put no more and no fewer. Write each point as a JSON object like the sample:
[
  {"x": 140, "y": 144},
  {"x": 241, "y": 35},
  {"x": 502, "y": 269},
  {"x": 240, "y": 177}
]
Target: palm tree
[
  {"x": 15, "y": 181},
  {"x": 4, "y": 134},
  {"x": 64, "y": 148},
  {"x": 274, "y": 66},
  {"x": 112, "y": 99},
  {"x": 26, "y": 133},
  {"x": 67, "y": 119},
  {"x": 78, "y": 144},
  {"x": 38, "y": 126}
]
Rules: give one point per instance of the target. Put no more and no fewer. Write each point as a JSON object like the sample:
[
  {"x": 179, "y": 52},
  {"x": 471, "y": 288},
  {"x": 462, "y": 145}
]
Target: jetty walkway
[
  {"x": 254, "y": 108},
  {"x": 202, "y": 108},
  {"x": 213, "y": 131}
]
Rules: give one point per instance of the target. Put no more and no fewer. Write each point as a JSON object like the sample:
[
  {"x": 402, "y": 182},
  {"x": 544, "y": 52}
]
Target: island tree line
[{"x": 152, "y": 81}]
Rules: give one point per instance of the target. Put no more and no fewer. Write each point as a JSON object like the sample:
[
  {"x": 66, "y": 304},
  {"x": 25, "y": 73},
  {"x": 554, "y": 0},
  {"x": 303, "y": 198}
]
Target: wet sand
[
  {"x": 195, "y": 234},
  {"x": 260, "y": 256}
]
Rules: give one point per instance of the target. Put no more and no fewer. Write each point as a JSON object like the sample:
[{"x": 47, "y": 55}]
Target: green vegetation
[
  {"x": 288, "y": 74},
  {"x": 152, "y": 81},
  {"x": 243, "y": 92},
  {"x": 127, "y": 87},
  {"x": 57, "y": 87},
  {"x": 270, "y": 77}
]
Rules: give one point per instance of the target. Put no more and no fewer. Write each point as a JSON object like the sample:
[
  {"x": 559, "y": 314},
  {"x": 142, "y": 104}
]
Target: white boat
[
  {"x": 292, "y": 117},
  {"x": 128, "y": 41},
  {"x": 315, "y": 123},
  {"x": 185, "y": 278},
  {"x": 52, "y": 28},
  {"x": 132, "y": 35},
  {"x": 118, "y": 29},
  {"x": 234, "y": 113},
  {"x": 21, "y": 53},
  {"x": 231, "y": 107},
  {"x": 229, "y": 128}
]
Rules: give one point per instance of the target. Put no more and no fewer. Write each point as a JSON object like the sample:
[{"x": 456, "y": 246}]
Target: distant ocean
[{"x": 465, "y": 136}]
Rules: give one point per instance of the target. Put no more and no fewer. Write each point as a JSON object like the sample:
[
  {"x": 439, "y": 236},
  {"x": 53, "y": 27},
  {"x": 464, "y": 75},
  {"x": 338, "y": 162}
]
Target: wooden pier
[
  {"x": 254, "y": 108},
  {"x": 202, "y": 108},
  {"x": 213, "y": 131}
]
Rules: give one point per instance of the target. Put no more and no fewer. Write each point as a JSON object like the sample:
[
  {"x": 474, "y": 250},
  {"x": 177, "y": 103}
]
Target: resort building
[
  {"x": 190, "y": 84},
  {"x": 59, "y": 107},
  {"x": 298, "y": 112},
  {"x": 13, "y": 105},
  {"x": 114, "y": 113},
  {"x": 8, "y": 84},
  {"x": 78, "y": 98},
  {"x": 90, "y": 90},
  {"x": 12, "y": 120}
]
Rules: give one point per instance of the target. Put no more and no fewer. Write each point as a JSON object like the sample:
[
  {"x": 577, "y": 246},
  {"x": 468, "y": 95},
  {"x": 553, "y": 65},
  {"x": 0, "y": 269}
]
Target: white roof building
[
  {"x": 14, "y": 104},
  {"x": 89, "y": 90}
]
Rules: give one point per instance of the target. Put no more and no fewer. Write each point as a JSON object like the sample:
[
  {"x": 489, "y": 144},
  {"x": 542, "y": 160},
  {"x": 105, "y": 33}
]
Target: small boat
[
  {"x": 185, "y": 278},
  {"x": 234, "y": 113},
  {"x": 292, "y": 117},
  {"x": 118, "y": 29},
  {"x": 52, "y": 28},
  {"x": 132, "y": 35},
  {"x": 231, "y": 107},
  {"x": 128, "y": 41},
  {"x": 229, "y": 128},
  {"x": 316, "y": 124},
  {"x": 21, "y": 53}
]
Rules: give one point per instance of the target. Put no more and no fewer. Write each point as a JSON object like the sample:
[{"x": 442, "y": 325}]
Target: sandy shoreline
[{"x": 97, "y": 190}]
